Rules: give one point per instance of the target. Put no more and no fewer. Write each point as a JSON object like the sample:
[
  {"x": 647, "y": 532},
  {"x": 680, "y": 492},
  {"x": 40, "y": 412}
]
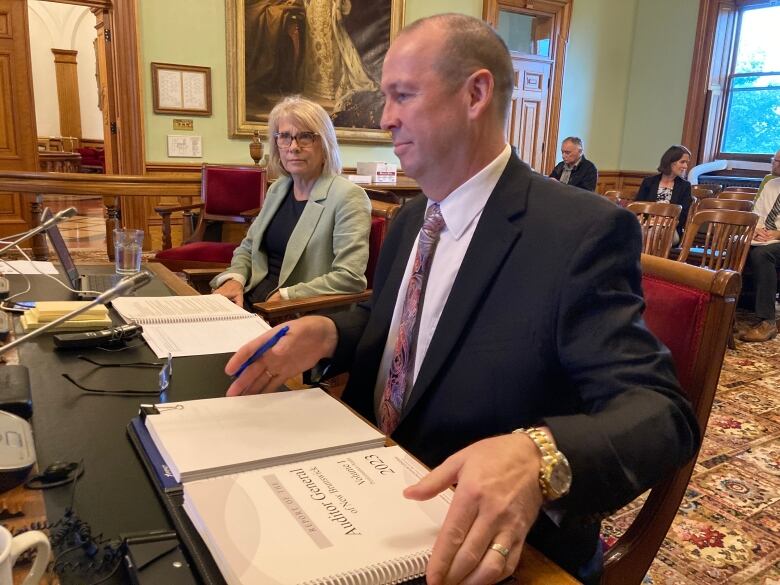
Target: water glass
[{"x": 128, "y": 244}]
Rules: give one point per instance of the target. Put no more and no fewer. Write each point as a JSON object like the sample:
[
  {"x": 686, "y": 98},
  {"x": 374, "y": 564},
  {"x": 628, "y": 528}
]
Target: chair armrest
[
  {"x": 165, "y": 212},
  {"x": 278, "y": 311},
  {"x": 171, "y": 208},
  {"x": 250, "y": 214},
  {"x": 199, "y": 278}
]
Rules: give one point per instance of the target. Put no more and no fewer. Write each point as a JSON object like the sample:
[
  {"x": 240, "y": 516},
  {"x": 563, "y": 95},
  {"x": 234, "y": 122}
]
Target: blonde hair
[{"x": 307, "y": 115}]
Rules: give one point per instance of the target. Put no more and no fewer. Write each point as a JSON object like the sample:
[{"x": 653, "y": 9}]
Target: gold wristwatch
[{"x": 554, "y": 473}]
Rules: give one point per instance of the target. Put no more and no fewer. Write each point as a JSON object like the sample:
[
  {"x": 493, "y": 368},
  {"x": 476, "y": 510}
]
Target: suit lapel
[
  {"x": 498, "y": 229},
  {"x": 305, "y": 227},
  {"x": 272, "y": 203}
]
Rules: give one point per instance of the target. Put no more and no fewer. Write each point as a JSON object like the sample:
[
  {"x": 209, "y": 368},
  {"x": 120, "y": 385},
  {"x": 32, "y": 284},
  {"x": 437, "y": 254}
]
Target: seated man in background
[
  {"x": 764, "y": 260},
  {"x": 494, "y": 337},
  {"x": 575, "y": 169},
  {"x": 773, "y": 175}
]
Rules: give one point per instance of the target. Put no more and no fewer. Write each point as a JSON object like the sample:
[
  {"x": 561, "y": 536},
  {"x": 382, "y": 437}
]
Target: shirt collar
[
  {"x": 465, "y": 203},
  {"x": 575, "y": 165}
]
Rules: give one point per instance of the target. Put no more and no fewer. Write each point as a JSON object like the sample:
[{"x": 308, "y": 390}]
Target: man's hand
[
  {"x": 765, "y": 235},
  {"x": 233, "y": 290},
  {"x": 309, "y": 340},
  {"x": 496, "y": 501}
]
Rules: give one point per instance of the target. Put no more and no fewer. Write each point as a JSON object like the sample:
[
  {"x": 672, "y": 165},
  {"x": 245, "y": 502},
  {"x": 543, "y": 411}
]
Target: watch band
[{"x": 554, "y": 472}]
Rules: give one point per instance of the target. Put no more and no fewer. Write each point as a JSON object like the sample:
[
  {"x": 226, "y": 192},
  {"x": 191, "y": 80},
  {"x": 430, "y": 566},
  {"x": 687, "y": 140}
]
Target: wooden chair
[
  {"x": 702, "y": 192},
  {"x": 752, "y": 190},
  {"x": 738, "y": 195},
  {"x": 614, "y": 195},
  {"x": 230, "y": 194},
  {"x": 725, "y": 241},
  {"x": 718, "y": 203},
  {"x": 658, "y": 222},
  {"x": 690, "y": 310}
]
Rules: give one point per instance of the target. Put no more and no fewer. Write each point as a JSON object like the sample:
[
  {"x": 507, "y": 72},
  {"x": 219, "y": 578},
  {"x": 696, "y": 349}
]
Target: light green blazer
[{"x": 328, "y": 248}]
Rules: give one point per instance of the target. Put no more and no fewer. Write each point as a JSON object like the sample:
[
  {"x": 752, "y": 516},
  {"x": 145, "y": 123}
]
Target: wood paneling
[
  {"x": 65, "y": 68},
  {"x": 18, "y": 135},
  {"x": 626, "y": 181}
]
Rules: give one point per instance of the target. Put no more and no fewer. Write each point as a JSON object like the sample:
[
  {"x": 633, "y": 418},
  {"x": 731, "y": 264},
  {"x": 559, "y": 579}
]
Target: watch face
[{"x": 560, "y": 479}]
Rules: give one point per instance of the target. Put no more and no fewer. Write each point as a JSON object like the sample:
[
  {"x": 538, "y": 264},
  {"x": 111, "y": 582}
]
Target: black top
[
  {"x": 583, "y": 176},
  {"x": 681, "y": 195}
]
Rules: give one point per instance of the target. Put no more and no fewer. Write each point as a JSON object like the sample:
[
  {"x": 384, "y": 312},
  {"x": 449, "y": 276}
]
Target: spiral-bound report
[
  {"x": 333, "y": 520},
  {"x": 221, "y": 326}
]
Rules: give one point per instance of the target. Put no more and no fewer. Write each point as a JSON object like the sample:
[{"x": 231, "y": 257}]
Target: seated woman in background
[
  {"x": 311, "y": 236},
  {"x": 670, "y": 186}
]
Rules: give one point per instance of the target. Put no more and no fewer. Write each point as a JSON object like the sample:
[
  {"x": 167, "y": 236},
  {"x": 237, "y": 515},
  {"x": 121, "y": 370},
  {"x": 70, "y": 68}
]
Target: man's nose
[{"x": 389, "y": 119}]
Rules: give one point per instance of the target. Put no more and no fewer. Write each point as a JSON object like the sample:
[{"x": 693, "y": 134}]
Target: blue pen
[{"x": 262, "y": 349}]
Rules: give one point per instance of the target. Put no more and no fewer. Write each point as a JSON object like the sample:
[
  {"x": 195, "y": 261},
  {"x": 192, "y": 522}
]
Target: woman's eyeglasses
[
  {"x": 166, "y": 372},
  {"x": 304, "y": 139}
]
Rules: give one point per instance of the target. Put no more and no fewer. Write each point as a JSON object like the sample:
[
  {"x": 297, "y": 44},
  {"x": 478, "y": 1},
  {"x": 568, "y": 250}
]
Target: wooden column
[{"x": 68, "y": 92}]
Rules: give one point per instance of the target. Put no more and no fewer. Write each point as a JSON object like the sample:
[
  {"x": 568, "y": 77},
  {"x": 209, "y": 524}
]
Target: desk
[{"x": 115, "y": 496}]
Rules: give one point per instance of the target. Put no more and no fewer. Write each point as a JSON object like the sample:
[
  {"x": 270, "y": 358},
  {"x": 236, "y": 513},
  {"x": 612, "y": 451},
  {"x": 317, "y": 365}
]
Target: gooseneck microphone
[
  {"x": 123, "y": 287},
  {"x": 54, "y": 220}
]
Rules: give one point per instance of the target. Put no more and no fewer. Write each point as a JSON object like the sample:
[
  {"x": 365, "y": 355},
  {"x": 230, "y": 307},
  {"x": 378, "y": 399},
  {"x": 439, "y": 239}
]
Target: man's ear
[{"x": 480, "y": 91}]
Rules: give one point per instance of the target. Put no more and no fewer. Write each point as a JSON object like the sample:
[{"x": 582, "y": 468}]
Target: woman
[
  {"x": 311, "y": 236},
  {"x": 669, "y": 186}
]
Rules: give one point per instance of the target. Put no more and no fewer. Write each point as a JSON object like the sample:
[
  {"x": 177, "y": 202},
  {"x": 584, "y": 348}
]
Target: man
[
  {"x": 517, "y": 305},
  {"x": 773, "y": 175},
  {"x": 764, "y": 259},
  {"x": 575, "y": 169}
]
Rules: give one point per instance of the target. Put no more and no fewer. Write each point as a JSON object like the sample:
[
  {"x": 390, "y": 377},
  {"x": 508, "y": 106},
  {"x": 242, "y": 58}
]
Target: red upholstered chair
[
  {"x": 690, "y": 309},
  {"x": 229, "y": 194}
]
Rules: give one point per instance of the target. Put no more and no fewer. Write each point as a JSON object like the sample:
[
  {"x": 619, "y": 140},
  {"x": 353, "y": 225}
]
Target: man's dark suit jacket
[
  {"x": 542, "y": 326},
  {"x": 681, "y": 195},
  {"x": 584, "y": 175}
]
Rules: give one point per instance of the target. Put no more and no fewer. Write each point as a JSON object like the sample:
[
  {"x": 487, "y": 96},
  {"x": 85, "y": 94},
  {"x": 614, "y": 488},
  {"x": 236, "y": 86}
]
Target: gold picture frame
[
  {"x": 181, "y": 89},
  {"x": 270, "y": 60}
]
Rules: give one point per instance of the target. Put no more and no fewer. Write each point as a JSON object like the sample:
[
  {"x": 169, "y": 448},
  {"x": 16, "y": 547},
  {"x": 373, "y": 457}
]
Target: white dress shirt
[
  {"x": 461, "y": 210},
  {"x": 765, "y": 202}
]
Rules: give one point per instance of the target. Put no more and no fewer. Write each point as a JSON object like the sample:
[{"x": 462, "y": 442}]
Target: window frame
[
  {"x": 712, "y": 66},
  {"x": 721, "y": 154}
]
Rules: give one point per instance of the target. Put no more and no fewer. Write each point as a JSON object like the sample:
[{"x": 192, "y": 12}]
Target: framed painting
[{"x": 330, "y": 51}]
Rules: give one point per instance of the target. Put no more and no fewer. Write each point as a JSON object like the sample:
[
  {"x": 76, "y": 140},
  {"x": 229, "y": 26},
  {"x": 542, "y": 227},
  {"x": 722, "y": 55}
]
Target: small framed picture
[{"x": 181, "y": 89}]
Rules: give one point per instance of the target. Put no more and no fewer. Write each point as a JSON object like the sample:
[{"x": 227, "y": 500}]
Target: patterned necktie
[
  {"x": 402, "y": 367},
  {"x": 771, "y": 220}
]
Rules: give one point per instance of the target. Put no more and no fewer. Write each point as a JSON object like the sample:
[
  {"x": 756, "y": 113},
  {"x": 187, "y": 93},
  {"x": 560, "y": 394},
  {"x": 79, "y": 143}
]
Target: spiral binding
[
  {"x": 169, "y": 320},
  {"x": 391, "y": 572}
]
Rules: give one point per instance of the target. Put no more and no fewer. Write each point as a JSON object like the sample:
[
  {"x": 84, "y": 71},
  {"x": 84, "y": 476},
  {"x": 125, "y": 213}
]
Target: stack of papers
[{"x": 47, "y": 311}]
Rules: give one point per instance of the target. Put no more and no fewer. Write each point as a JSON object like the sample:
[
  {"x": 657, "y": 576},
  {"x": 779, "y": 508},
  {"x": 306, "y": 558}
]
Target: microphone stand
[
  {"x": 124, "y": 286},
  {"x": 62, "y": 215}
]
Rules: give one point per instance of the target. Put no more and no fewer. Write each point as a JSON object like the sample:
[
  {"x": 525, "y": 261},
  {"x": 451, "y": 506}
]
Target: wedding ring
[
  {"x": 500, "y": 549},
  {"x": 270, "y": 374}
]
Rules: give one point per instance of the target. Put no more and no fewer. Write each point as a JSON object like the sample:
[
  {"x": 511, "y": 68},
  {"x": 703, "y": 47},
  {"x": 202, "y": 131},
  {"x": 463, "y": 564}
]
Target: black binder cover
[{"x": 173, "y": 501}]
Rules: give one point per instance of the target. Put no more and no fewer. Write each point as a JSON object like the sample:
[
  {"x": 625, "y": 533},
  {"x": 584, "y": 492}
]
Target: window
[{"x": 752, "y": 112}]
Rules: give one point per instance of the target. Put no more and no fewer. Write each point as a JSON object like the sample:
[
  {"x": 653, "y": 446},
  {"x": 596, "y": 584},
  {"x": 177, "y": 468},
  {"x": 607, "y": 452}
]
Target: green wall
[
  {"x": 596, "y": 77},
  {"x": 193, "y": 33},
  {"x": 658, "y": 85},
  {"x": 624, "y": 91}
]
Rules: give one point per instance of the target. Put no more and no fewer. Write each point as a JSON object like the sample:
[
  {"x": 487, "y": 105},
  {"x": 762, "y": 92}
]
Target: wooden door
[
  {"x": 527, "y": 128},
  {"x": 536, "y": 32},
  {"x": 18, "y": 133}
]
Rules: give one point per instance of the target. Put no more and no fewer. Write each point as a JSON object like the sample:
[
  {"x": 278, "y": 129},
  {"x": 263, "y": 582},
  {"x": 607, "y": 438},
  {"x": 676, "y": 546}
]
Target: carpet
[{"x": 728, "y": 527}]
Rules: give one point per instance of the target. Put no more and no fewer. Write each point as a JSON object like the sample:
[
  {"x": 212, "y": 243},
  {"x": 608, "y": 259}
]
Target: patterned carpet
[{"x": 728, "y": 527}]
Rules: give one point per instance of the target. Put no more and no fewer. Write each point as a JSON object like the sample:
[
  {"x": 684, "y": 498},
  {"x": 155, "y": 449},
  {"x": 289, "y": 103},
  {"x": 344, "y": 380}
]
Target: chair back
[
  {"x": 718, "y": 203},
  {"x": 658, "y": 222},
  {"x": 382, "y": 213},
  {"x": 701, "y": 192},
  {"x": 725, "y": 241},
  {"x": 690, "y": 310},
  {"x": 227, "y": 191},
  {"x": 614, "y": 195},
  {"x": 752, "y": 190},
  {"x": 738, "y": 195}
]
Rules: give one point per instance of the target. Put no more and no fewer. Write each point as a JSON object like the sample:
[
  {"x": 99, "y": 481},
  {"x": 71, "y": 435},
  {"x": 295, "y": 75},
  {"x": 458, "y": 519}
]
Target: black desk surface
[{"x": 114, "y": 496}]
